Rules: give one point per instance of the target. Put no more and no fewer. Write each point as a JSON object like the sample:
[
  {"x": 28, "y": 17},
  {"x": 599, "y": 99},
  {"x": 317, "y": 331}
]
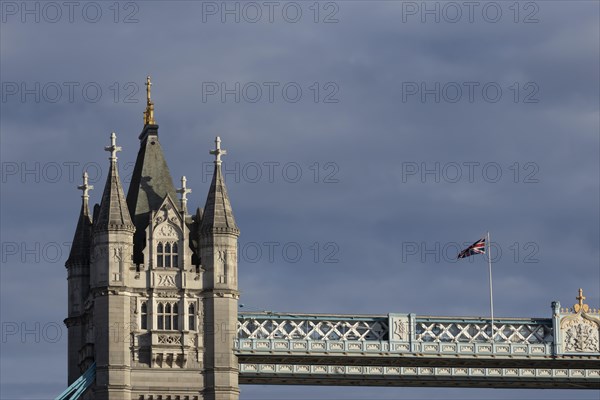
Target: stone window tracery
[
  {"x": 167, "y": 316},
  {"x": 167, "y": 255},
  {"x": 144, "y": 315},
  {"x": 192, "y": 317}
]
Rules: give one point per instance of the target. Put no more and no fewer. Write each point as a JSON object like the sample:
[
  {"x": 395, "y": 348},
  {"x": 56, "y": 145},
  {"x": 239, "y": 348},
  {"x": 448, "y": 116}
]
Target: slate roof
[
  {"x": 150, "y": 183},
  {"x": 80, "y": 249},
  {"x": 218, "y": 215},
  {"x": 113, "y": 213}
]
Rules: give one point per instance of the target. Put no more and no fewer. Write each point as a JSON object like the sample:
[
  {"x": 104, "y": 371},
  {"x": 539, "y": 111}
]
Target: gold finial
[
  {"x": 149, "y": 113},
  {"x": 580, "y": 306},
  {"x": 148, "y": 84}
]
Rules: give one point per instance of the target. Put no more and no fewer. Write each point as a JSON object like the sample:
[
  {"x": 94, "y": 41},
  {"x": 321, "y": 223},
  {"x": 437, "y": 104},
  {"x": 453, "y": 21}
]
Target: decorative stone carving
[
  {"x": 118, "y": 253},
  {"x": 580, "y": 335},
  {"x": 100, "y": 252},
  {"x": 133, "y": 314},
  {"x": 167, "y": 294},
  {"x": 580, "y": 331},
  {"x": 166, "y": 280},
  {"x": 400, "y": 328},
  {"x": 167, "y": 230},
  {"x": 169, "y": 339},
  {"x": 168, "y": 360}
]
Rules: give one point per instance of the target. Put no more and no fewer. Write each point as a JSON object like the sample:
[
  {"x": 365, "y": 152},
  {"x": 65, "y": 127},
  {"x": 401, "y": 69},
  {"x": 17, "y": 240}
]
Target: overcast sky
[{"x": 367, "y": 141}]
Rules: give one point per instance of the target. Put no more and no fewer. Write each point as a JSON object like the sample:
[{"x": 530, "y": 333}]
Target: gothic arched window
[
  {"x": 159, "y": 255},
  {"x": 167, "y": 315},
  {"x": 175, "y": 255},
  {"x": 175, "y": 317},
  {"x": 167, "y": 255},
  {"x": 160, "y": 313},
  {"x": 192, "y": 317},
  {"x": 144, "y": 315}
]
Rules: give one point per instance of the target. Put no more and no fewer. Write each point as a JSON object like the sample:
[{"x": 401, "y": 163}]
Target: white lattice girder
[
  {"x": 300, "y": 329},
  {"x": 481, "y": 332},
  {"x": 376, "y": 329}
]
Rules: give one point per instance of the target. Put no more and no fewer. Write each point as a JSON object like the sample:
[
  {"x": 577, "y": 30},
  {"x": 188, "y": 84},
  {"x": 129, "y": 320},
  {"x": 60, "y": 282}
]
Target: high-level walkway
[{"x": 412, "y": 350}]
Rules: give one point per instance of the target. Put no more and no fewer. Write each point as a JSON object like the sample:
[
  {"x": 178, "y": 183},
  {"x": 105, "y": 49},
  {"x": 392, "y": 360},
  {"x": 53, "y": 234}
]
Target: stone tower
[{"x": 153, "y": 290}]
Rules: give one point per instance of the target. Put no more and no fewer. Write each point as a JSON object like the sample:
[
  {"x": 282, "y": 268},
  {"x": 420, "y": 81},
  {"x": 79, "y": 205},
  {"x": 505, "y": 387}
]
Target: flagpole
[{"x": 491, "y": 290}]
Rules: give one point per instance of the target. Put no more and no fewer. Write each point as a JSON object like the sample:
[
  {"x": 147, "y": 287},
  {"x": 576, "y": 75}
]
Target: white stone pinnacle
[
  {"x": 218, "y": 152},
  {"x": 184, "y": 192},
  {"x": 85, "y": 188},
  {"x": 113, "y": 148}
]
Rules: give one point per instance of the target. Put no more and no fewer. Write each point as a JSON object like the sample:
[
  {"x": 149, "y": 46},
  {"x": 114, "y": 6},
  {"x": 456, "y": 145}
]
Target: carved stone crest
[
  {"x": 399, "y": 327},
  {"x": 401, "y": 330},
  {"x": 581, "y": 330},
  {"x": 167, "y": 230},
  {"x": 581, "y": 337}
]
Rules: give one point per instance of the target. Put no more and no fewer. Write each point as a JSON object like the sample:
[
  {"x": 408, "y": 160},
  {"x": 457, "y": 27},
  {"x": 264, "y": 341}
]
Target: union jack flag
[{"x": 476, "y": 248}]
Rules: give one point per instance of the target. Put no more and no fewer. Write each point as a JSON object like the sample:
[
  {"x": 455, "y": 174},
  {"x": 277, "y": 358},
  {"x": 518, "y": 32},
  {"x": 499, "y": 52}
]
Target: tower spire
[
  {"x": 80, "y": 250},
  {"x": 151, "y": 180},
  {"x": 149, "y": 113},
  {"x": 113, "y": 213},
  {"x": 218, "y": 214}
]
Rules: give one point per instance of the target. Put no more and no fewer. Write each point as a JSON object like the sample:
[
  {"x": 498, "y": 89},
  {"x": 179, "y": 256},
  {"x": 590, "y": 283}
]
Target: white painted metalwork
[
  {"x": 470, "y": 332},
  {"x": 376, "y": 328},
  {"x": 311, "y": 328}
]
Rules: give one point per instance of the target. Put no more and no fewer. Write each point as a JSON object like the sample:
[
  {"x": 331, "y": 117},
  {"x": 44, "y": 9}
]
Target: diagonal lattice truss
[
  {"x": 531, "y": 333},
  {"x": 376, "y": 328},
  {"x": 312, "y": 329}
]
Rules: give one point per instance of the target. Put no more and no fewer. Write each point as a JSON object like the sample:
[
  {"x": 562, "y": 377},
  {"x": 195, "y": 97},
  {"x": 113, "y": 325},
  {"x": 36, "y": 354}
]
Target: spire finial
[
  {"x": 580, "y": 306},
  {"x": 113, "y": 148},
  {"x": 218, "y": 152},
  {"x": 581, "y": 297},
  {"x": 184, "y": 192},
  {"x": 85, "y": 188},
  {"x": 149, "y": 113},
  {"x": 148, "y": 85}
]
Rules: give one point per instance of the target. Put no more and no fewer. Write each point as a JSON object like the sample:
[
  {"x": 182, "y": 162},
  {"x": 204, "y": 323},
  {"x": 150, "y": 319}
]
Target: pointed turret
[
  {"x": 218, "y": 248},
  {"x": 80, "y": 249},
  {"x": 78, "y": 278},
  {"x": 151, "y": 181},
  {"x": 111, "y": 275},
  {"x": 218, "y": 215},
  {"x": 113, "y": 213}
]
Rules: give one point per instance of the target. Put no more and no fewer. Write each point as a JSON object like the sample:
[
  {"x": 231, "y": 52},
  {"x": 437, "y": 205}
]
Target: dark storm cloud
[{"x": 358, "y": 200}]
